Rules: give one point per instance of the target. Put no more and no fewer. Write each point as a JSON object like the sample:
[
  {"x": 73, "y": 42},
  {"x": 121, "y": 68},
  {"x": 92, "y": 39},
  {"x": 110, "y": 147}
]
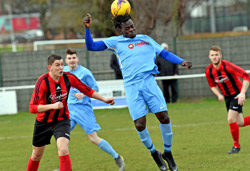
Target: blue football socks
[
  {"x": 167, "y": 136},
  {"x": 105, "y": 146},
  {"x": 146, "y": 140}
]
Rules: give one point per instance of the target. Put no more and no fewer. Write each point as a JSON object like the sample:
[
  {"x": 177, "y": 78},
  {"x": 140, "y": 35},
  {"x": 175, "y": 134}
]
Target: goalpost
[{"x": 36, "y": 44}]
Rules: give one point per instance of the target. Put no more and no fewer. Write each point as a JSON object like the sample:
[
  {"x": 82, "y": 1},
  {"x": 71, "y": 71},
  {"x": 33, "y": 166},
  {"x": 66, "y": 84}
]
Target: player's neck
[
  {"x": 54, "y": 77},
  {"x": 217, "y": 66},
  {"x": 73, "y": 68}
]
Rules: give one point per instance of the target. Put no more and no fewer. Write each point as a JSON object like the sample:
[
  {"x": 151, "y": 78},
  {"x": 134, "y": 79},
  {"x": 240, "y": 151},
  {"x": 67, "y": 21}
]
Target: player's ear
[
  {"x": 49, "y": 67},
  {"x": 119, "y": 31}
]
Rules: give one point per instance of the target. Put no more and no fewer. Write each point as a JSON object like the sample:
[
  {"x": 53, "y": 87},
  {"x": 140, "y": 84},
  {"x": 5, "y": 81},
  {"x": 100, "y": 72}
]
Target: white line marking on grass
[
  {"x": 13, "y": 137},
  {"x": 177, "y": 126}
]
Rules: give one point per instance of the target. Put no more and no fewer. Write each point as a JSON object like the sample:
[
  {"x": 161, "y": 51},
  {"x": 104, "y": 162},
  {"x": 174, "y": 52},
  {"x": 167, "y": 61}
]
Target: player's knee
[
  {"x": 140, "y": 123},
  {"x": 36, "y": 157},
  {"x": 163, "y": 117},
  {"x": 140, "y": 126},
  {"x": 231, "y": 120},
  {"x": 93, "y": 140},
  {"x": 240, "y": 124},
  {"x": 63, "y": 151}
]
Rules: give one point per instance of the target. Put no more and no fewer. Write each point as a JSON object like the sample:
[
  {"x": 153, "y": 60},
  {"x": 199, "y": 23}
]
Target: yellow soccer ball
[{"x": 120, "y": 7}]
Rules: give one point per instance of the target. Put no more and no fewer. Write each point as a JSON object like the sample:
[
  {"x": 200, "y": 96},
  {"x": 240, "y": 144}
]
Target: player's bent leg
[
  {"x": 63, "y": 152},
  {"x": 35, "y": 158},
  {"x": 106, "y": 147},
  {"x": 243, "y": 121}
]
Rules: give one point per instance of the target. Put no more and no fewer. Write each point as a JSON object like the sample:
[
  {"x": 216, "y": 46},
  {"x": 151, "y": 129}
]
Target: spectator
[
  {"x": 167, "y": 68},
  {"x": 115, "y": 66}
]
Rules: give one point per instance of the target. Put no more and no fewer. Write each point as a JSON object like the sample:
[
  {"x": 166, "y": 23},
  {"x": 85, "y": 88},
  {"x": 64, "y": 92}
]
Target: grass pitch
[{"x": 201, "y": 140}]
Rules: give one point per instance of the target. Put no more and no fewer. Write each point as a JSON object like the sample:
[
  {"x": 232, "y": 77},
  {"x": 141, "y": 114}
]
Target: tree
[
  {"x": 162, "y": 18},
  {"x": 156, "y": 18}
]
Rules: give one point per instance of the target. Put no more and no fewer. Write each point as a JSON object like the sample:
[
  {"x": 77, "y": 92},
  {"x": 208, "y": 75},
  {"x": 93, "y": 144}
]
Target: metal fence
[{"x": 23, "y": 68}]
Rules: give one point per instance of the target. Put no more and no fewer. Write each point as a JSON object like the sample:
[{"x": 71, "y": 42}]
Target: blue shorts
[
  {"x": 83, "y": 115},
  {"x": 143, "y": 97}
]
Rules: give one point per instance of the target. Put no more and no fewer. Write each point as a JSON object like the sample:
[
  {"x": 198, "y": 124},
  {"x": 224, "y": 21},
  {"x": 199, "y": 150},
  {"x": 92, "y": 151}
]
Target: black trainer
[
  {"x": 234, "y": 150},
  {"x": 159, "y": 161},
  {"x": 120, "y": 163},
  {"x": 170, "y": 160}
]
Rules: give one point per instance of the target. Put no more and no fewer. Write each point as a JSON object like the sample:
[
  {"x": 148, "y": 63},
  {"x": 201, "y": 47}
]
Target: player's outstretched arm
[
  {"x": 97, "y": 96},
  {"x": 90, "y": 44},
  {"x": 186, "y": 64}
]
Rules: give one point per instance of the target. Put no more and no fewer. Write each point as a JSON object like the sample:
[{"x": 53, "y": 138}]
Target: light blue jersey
[
  {"x": 136, "y": 56},
  {"x": 87, "y": 78},
  {"x": 81, "y": 111}
]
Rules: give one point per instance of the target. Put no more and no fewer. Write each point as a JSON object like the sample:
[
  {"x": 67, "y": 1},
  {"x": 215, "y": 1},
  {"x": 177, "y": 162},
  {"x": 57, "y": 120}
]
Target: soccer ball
[{"x": 120, "y": 7}]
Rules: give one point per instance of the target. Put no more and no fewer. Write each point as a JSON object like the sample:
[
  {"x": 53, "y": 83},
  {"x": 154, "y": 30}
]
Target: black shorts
[
  {"x": 44, "y": 131},
  {"x": 232, "y": 104}
]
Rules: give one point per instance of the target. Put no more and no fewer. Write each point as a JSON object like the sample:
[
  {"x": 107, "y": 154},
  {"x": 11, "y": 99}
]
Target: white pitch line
[
  {"x": 13, "y": 137},
  {"x": 133, "y": 128},
  {"x": 178, "y": 126}
]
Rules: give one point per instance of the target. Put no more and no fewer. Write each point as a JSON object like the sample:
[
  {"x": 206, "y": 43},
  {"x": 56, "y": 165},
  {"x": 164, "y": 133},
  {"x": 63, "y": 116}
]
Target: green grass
[{"x": 200, "y": 143}]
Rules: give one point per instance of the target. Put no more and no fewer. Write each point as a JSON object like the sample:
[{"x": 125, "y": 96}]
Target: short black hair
[
  {"x": 70, "y": 51},
  {"x": 120, "y": 19},
  {"x": 52, "y": 58}
]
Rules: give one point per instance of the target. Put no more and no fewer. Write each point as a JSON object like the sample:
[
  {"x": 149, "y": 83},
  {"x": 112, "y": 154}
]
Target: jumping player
[
  {"x": 49, "y": 102},
  {"x": 80, "y": 107},
  {"x": 223, "y": 77},
  {"x": 136, "y": 55}
]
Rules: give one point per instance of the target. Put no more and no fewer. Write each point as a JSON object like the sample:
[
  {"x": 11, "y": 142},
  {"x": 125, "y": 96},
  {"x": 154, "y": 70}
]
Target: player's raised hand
[
  {"x": 87, "y": 20},
  {"x": 110, "y": 100},
  {"x": 186, "y": 64}
]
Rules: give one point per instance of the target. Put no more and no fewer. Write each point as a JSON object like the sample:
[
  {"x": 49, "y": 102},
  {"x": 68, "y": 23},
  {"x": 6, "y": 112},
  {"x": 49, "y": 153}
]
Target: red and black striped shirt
[
  {"x": 49, "y": 91},
  {"x": 226, "y": 77}
]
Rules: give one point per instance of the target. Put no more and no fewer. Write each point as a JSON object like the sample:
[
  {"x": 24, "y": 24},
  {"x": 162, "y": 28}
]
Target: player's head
[
  {"x": 71, "y": 59},
  {"x": 165, "y": 45},
  {"x": 215, "y": 55},
  {"x": 125, "y": 25},
  {"x": 55, "y": 65}
]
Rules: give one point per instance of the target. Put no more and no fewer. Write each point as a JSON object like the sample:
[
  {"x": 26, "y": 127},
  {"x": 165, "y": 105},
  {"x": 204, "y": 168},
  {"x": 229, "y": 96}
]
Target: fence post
[{"x": 175, "y": 52}]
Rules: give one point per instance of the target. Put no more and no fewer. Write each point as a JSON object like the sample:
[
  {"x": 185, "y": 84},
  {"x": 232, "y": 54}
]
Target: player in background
[
  {"x": 136, "y": 55},
  {"x": 223, "y": 79},
  {"x": 80, "y": 108},
  {"x": 49, "y": 102}
]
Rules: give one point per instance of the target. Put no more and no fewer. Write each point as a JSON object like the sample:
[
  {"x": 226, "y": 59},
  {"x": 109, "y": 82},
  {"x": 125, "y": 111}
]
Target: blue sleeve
[
  {"x": 91, "y": 45},
  {"x": 171, "y": 57}
]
